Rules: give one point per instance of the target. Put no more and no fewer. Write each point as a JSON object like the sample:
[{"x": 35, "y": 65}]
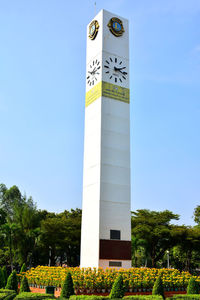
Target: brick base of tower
[{"x": 114, "y": 253}]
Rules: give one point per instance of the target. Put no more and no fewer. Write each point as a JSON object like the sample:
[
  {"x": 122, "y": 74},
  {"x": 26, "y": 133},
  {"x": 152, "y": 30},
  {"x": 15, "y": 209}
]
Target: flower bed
[{"x": 99, "y": 280}]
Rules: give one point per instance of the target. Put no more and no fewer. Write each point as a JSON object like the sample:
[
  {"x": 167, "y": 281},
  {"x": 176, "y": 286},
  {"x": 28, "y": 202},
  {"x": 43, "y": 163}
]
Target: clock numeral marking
[
  {"x": 120, "y": 80},
  {"x": 115, "y": 79},
  {"x": 88, "y": 77},
  {"x": 95, "y": 78},
  {"x": 106, "y": 67},
  {"x": 107, "y": 62},
  {"x": 110, "y": 76},
  {"x": 124, "y": 77},
  {"x": 120, "y": 62},
  {"x": 93, "y": 62},
  {"x": 107, "y": 71},
  {"x": 111, "y": 59},
  {"x": 93, "y": 82},
  {"x": 115, "y": 59},
  {"x": 98, "y": 68}
]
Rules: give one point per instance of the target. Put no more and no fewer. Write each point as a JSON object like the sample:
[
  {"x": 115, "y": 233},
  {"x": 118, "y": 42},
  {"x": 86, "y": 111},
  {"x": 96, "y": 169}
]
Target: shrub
[
  {"x": 24, "y": 285},
  {"x": 137, "y": 297},
  {"x": 23, "y": 268},
  {"x": 193, "y": 287},
  {"x": 5, "y": 275},
  {"x": 86, "y": 297},
  {"x": 68, "y": 286},
  {"x": 33, "y": 296},
  {"x": 12, "y": 283},
  {"x": 2, "y": 282},
  {"x": 143, "y": 297},
  {"x": 184, "y": 297},
  {"x": 7, "y": 294},
  {"x": 6, "y": 291},
  {"x": 117, "y": 290},
  {"x": 158, "y": 287}
]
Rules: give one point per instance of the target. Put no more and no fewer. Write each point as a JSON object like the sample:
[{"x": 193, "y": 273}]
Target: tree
[
  {"x": 117, "y": 290},
  {"x": 61, "y": 234},
  {"x": 5, "y": 275},
  {"x": 2, "y": 282},
  {"x": 12, "y": 283},
  {"x": 193, "y": 286},
  {"x": 158, "y": 287},
  {"x": 23, "y": 269},
  {"x": 185, "y": 255},
  {"x": 197, "y": 215},
  {"x": 68, "y": 286},
  {"x": 155, "y": 228},
  {"x": 24, "y": 285},
  {"x": 8, "y": 230},
  {"x": 139, "y": 251}
]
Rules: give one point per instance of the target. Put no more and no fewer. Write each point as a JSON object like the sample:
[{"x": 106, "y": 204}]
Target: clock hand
[
  {"x": 124, "y": 73},
  {"x": 93, "y": 71},
  {"x": 119, "y": 69}
]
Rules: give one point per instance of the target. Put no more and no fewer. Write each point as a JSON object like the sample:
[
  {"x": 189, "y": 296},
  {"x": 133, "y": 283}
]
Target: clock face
[
  {"x": 115, "y": 70},
  {"x": 93, "y": 72}
]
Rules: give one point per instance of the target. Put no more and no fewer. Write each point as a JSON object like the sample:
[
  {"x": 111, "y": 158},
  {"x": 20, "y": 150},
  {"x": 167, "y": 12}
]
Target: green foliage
[
  {"x": 23, "y": 268},
  {"x": 34, "y": 296},
  {"x": 12, "y": 283},
  {"x": 197, "y": 215},
  {"x": 54, "y": 228},
  {"x": 5, "y": 275},
  {"x": 7, "y": 294},
  {"x": 158, "y": 287},
  {"x": 155, "y": 230},
  {"x": 68, "y": 286},
  {"x": 193, "y": 287},
  {"x": 86, "y": 297},
  {"x": 2, "y": 282},
  {"x": 143, "y": 297},
  {"x": 24, "y": 285},
  {"x": 184, "y": 297},
  {"x": 117, "y": 290},
  {"x": 137, "y": 297},
  {"x": 26, "y": 234}
]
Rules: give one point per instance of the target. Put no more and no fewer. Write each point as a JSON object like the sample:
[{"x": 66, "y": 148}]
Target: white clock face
[
  {"x": 115, "y": 70},
  {"x": 93, "y": 72}
]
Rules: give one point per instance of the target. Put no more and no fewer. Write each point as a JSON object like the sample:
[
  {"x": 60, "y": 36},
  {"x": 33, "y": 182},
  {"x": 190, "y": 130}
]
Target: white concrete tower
[{"x": 106, "y": 219}]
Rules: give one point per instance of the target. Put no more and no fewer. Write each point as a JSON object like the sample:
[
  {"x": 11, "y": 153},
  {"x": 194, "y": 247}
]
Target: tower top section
[{"x": 108, "y": 32}]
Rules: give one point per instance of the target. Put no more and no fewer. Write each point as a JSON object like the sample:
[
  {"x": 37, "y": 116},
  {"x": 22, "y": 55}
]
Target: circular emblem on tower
[
  {"x": 116, "y": 26},
  {"x": 93, "y": 29}
]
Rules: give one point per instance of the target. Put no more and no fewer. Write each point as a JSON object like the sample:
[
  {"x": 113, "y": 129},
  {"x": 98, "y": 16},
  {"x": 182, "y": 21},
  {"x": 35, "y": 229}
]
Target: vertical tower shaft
[{"x": 106, "y": 220}]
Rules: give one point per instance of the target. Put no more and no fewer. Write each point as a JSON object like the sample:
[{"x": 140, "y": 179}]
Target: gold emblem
[
  {"x": 93, "y": 29},
  {"x": 116, "y": 26}
]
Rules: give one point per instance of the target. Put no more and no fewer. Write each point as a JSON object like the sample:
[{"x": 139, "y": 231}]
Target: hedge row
[
  {"x": 7, "y": 294},
  {"x": 10, "y": 295},
  {"x": 184, "y": 297},
  {"x": 137, "y": 297},
  {"x": 33, "y": 296}
]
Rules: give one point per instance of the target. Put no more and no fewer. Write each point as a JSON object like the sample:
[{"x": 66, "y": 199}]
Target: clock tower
[{"x": 106, "y": 217}]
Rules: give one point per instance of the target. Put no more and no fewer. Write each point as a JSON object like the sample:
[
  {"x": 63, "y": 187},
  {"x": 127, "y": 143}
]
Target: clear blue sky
[{"x": 42, "y": 91}]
